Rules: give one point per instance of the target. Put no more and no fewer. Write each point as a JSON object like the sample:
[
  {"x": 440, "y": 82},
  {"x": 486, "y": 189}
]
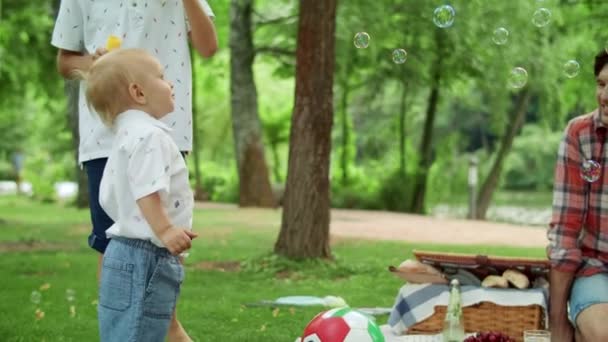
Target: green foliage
[
  {"x": 220, "y": 183},
  {"x": 362, "y": 192},
  {"x": 527, "y": 167},
  {"x": 474, "y": 102},
  {"x": 43, "y": 171}
]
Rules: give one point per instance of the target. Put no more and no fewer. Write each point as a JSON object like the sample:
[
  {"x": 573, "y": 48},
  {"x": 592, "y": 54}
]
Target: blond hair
[{"x": 108, "y": 81}]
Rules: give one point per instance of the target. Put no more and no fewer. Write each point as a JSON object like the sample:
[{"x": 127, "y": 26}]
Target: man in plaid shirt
[{"x": 578, "y": 232}]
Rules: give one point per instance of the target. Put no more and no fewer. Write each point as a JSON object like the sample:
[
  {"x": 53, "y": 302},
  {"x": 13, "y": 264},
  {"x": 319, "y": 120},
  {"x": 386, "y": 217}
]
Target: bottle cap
[{"x": 455, "y": 282}]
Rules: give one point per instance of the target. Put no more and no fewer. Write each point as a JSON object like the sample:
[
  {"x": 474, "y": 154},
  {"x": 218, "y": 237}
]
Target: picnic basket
[{"x": 486, "y": 316}]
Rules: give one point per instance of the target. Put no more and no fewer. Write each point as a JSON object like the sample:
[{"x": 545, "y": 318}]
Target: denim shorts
[
  {"x": 587, "y": 291},
  {"x": 140, "y": 284},
  {"x": 101, "y": 221}
]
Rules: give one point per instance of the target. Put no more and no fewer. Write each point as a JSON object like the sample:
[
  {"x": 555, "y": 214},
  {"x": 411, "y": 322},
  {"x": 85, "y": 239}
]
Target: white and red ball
[{"x": 342, "y": 325}]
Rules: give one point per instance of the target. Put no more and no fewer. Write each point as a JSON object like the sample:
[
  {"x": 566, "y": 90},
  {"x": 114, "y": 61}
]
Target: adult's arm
[{"x": 202, "y": 30}]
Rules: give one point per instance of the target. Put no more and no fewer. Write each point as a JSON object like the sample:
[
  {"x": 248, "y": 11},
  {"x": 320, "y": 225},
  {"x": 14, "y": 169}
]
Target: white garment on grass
[
  {"x": 144, "y": 160},
  {"x": 158, "y": 26}
]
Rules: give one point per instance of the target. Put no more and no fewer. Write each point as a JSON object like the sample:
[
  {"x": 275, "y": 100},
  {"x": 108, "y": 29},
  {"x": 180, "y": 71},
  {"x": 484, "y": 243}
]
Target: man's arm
[
  {"x": 202, "y": 31},
  {"x": 560, "y": 284},
  {"x": 569, "y": 207},
  {"x": 69, "y": 61}
]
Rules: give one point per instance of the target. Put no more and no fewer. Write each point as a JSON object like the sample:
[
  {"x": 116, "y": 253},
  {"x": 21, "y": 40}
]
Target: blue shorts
[
  {"x": 101, "y": 221},
  {"x": 139, "y": 286},
  {"x": 587, "y": 291}
]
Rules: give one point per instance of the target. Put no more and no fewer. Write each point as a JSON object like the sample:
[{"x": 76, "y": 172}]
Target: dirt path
[{"x": 380, "y": 225}]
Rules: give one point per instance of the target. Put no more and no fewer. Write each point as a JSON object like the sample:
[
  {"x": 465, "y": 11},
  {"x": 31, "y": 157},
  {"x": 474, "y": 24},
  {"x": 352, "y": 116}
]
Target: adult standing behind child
[
  {"x": 162, "y": 28},
  {"x": 145, "y": 190}
]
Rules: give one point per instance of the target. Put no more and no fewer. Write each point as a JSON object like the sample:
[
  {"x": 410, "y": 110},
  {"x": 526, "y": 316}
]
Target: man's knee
[{"x": 591, "y": 323}]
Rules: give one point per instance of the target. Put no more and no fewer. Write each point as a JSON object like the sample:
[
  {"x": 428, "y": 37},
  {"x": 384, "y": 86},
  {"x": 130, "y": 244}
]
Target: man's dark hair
[{"x": 601, "y": 59}]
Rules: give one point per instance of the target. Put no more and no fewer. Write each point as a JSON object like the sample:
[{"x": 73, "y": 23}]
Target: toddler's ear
[{"x": 137, "y": 94}]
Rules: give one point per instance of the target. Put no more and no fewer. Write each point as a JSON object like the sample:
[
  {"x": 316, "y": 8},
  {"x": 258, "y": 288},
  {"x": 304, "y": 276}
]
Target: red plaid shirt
[{"x": 578, "y": 232}]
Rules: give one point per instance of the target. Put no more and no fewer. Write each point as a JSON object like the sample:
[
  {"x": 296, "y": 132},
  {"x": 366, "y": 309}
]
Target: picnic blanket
[{"x": 416, "y": 302}]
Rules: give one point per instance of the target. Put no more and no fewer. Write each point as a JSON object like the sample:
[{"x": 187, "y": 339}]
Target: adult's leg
[
  {"x": 589, "y": 307},
  {"x": 177, "y": 333},
  {"x": 591, "y": 323},
  {"x": 100, "y": 220}
]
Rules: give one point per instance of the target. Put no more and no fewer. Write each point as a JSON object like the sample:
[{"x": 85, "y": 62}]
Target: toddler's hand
[{"x": 177, "y": 240}]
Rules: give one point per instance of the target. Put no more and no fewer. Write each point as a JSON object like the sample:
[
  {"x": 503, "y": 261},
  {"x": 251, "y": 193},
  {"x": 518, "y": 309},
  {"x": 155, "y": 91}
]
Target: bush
[
  {"x": 531, "y": 163},
  {"x": 360, "y": 193},
  {"x": 220, "y": 183},
  {"x": 43, "y": 171}
]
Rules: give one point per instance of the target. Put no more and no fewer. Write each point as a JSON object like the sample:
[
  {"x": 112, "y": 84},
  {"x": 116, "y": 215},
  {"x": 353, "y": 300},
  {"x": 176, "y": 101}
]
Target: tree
[
  {"x": 305, "y": 222},
  {"x": 254, "y": 182},
  {"x": 199, "y": 192},
  {"x": 72, "y": 91}
]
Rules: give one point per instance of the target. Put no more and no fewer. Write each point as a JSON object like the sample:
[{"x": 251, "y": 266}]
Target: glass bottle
[{"x": 453, "y": 325}]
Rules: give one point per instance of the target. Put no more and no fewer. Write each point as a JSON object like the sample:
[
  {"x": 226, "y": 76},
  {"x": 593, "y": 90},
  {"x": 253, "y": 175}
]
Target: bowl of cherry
[{"x": 489, "y": 336}]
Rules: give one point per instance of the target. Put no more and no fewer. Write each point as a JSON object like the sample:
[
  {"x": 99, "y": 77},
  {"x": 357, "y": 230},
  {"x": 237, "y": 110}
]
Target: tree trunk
[
  {"x": 344, "y": 157},
  {"x": 199, "y": 190},
  {"x": 71, "y": 91},
  {"x": 305, "y": 223},
  {"x": 426, "y": 143},
  {"x": 491, "y": 182},
  {"x": 402, "y": 133},
  {"x": 254, "y": 180}
]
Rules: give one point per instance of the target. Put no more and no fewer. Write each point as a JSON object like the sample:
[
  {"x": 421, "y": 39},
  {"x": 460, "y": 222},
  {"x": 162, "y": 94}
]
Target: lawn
[{"x": 43, "y": 248}]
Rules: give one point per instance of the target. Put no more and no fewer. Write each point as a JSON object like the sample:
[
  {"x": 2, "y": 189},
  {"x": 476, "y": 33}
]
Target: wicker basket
[{"x": 487, "y": 316}]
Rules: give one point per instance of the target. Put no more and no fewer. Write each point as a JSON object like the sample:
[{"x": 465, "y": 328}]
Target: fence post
[{"x": 472, "y": 187}]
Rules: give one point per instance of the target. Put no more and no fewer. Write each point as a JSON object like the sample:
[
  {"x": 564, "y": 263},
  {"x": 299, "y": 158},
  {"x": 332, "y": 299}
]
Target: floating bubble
[
  {"x": 361, "y": 40},
  {"x": 35, "y": 297},
  {"x": 571, "y": 68},
  {"x": 501, "y": 35},
  {"x": 443, "y": 16},
  {"x": 541, "y": 17},
  {"x": 518, "y": 78},
  {"x": 70, "y": 295},
  {"x": 399, "y": 56},
  {"x": 590, "y": 170}
]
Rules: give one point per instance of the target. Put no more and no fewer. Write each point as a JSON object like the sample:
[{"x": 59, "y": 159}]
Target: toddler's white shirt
[{"x": 144, "y": 160}]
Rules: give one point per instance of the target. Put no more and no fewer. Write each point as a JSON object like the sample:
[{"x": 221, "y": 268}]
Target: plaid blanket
[{"x": 416, "y": 302}]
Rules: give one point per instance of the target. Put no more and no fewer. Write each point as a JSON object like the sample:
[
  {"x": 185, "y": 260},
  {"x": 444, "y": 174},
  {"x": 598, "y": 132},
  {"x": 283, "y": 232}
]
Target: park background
[{"x": 400, "y": 139}]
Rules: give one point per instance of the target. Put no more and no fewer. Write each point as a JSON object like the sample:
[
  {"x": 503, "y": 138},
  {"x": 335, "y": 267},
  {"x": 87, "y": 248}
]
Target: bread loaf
[
  {"x": 516, "y": 278},
  {"x": 495, "y": 281}
]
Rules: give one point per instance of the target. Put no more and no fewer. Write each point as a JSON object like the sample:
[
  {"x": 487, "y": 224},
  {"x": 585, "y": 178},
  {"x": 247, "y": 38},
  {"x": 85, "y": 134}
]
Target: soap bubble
[
  {"x": 590, "y": 170},
  {"x": 35, "y": 297},
  {"x": 541, "y": 17},
  {"x": 399, "y": 56},
  {"x": 518, "y": 78},
  {"x": 443, "y": 16},
  {"x": 571, "y": 68},
  {"x": 361, "y": 40},
  {"x": 500, "y": 36}
]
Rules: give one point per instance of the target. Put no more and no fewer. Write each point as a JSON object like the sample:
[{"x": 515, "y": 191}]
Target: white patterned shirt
[
  {"x": 158, "y": 26},
  {"x": 144, "y": 160}
]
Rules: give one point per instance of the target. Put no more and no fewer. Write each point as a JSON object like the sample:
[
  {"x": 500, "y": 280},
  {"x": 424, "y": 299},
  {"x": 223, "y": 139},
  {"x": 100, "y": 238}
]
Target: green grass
[{"x": 211, "y": 305}]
